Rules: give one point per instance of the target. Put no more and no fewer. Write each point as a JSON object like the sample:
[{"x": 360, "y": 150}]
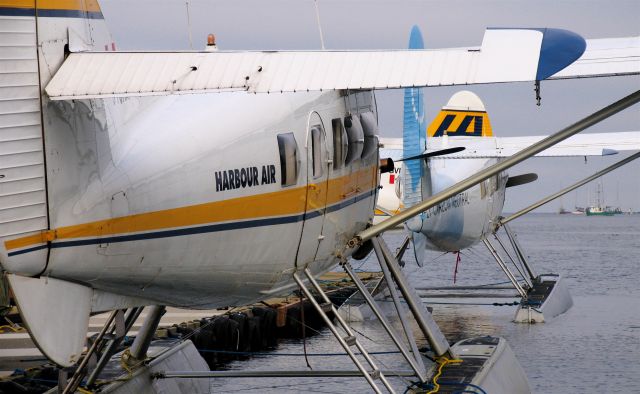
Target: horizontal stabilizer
[
  {"x": 592, "y": 144},
  {"x": 506, "y": 55},
  {"x": 521, "y": 179},
  {"x": 56, "y": 312}
]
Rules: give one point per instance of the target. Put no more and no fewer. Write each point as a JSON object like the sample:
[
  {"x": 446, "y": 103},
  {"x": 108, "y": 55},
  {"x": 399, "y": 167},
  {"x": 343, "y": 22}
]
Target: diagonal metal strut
[
  {"x": 428, "y": 326},
  {"x": 414, "y": 361},
  {"x": 568, "y": 189},
  {"x": 504, "y": 267}
]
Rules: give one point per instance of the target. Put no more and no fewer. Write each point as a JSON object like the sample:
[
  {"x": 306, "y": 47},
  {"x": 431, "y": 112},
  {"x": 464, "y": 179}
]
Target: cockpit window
[{"x": 288, "y": 159}]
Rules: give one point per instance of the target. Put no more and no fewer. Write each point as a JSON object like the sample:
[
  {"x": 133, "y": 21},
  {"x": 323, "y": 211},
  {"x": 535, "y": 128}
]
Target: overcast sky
[{"x": 378, "y": 24}]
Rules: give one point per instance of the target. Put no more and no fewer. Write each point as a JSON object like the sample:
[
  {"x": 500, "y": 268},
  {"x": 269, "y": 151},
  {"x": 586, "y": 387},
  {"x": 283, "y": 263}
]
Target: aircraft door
[{"x": 318, "y": 168}]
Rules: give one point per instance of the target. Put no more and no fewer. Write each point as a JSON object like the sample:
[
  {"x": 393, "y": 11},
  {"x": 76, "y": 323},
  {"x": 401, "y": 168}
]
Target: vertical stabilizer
[
  {"x": 463, "y": 116},
  {"x": 413, "y": 134},
  {"x": 23, "y": 200}
]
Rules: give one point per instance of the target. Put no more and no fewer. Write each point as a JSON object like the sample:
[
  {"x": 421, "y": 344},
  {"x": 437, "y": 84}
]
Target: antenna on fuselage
[
  {"x": 315, "y": 3},
  {"x": 189, "y": 25}
]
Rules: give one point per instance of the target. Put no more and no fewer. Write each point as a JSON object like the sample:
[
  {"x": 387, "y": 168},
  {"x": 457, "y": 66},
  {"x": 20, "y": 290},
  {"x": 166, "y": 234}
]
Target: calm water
[{"x": 593, "y": 348}]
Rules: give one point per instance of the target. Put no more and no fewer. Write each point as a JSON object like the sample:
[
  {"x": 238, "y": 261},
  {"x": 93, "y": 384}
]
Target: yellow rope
[
  {"x": 14, "y": 329},
  {"x": 125, "y": 355},
  {"x": 442, "y": 361},
  {"x": 83, "y": 391}
]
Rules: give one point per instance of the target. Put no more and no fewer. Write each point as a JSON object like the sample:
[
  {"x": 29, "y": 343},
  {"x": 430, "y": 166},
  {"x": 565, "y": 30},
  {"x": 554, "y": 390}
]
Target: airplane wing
[
  {"x": 605, "y": 57},
  {"x": 594, "y": 144},
  {"x": 506, "y": 55}
]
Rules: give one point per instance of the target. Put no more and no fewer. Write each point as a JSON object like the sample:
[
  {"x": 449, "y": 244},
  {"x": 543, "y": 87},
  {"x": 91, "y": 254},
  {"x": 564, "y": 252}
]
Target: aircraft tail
[
  {"x": 35, "y": 38},
  {"x": 463, "y": 116},
  {"x": 413, "y": 134}
]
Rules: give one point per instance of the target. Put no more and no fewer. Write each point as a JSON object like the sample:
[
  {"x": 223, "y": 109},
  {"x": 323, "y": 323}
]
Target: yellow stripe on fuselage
[
  {"x": 71, "y": 5},
  {"x": 285, "y": 202}
]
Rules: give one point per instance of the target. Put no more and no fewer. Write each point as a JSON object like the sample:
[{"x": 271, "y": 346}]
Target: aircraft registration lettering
[
  {"x": 238, "y": 178},
  {"x": 457, "y": 201}
]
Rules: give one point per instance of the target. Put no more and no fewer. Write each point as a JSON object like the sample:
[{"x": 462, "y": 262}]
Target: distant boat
[
  {"x": 598, "y": 209},
  {"x": 562, "y": 211},
  {"x": 578, "y": 211}
]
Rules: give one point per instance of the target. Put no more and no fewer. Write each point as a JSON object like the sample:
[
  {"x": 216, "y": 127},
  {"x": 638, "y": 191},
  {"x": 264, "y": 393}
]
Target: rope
[
  {"x": 271, "y": 354},
  {"x": 455, "y": 271},
  {"x": 442, "y": 361},
  {"x": 14, "y": 329},
  {"x": 304, "y": 331},
  {"x": 465, "y": 385},
  {"x": 514, "y": 303}
]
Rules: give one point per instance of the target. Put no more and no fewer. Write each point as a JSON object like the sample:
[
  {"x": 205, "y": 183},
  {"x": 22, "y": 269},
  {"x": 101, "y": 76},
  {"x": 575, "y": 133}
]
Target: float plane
[
  {"x": 204, "y": 179},
  {"x": 460, "y": 141}
]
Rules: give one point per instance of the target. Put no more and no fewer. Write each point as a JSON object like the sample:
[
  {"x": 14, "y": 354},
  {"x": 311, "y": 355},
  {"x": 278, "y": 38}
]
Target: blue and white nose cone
[{"x": 464, "y": 219}]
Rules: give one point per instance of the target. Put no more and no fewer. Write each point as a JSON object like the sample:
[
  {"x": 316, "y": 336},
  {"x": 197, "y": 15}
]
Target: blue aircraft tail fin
[{"x": 413, "y": 134}]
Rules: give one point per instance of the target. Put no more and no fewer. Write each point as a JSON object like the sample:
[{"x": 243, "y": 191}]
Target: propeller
[
  {"x": 521, "y": 179},
  {"x": 440, "y": 152},
  {"x": 419, "y": 247}
]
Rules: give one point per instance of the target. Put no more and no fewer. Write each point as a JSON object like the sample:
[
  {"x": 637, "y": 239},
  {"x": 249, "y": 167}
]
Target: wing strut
[{"x": 475, "y": 179}]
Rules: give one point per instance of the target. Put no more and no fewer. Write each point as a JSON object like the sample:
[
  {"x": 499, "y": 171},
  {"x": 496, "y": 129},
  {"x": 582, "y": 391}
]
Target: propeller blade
[
  {"x": 521, "y": 179},
  {"x": 441, "y": 152},
  {"x": 419, "y": 247}
]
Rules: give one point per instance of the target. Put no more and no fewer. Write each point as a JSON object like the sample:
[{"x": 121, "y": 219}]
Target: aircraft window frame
[
  {"x": 340, "y": 143},
  {"x": 289, "y": 159},
  {"x": 370, "y": 129},
  {"x": 355, "y": 136},
  {"x": 317, "y": 156}
]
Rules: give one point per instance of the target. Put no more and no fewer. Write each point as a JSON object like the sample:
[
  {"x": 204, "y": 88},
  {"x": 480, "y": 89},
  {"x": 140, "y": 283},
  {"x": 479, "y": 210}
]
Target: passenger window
[
  {"x": 340, "y": 144},
  {"x": 356, "y": 138},
  {"x": 288, "y": 159},
  {"x": 316, "y": 150}
]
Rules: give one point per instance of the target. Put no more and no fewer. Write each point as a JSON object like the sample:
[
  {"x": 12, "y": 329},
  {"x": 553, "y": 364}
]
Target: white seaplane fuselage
[
  {"x": 180, "y": 200},
  {"x": 463, "y": 220},
  {"x": 458, "y": 222}
]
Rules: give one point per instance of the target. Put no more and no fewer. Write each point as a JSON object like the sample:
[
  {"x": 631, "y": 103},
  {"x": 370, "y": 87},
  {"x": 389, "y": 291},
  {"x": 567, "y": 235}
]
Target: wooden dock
[{"x": 220, "y": 335}]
